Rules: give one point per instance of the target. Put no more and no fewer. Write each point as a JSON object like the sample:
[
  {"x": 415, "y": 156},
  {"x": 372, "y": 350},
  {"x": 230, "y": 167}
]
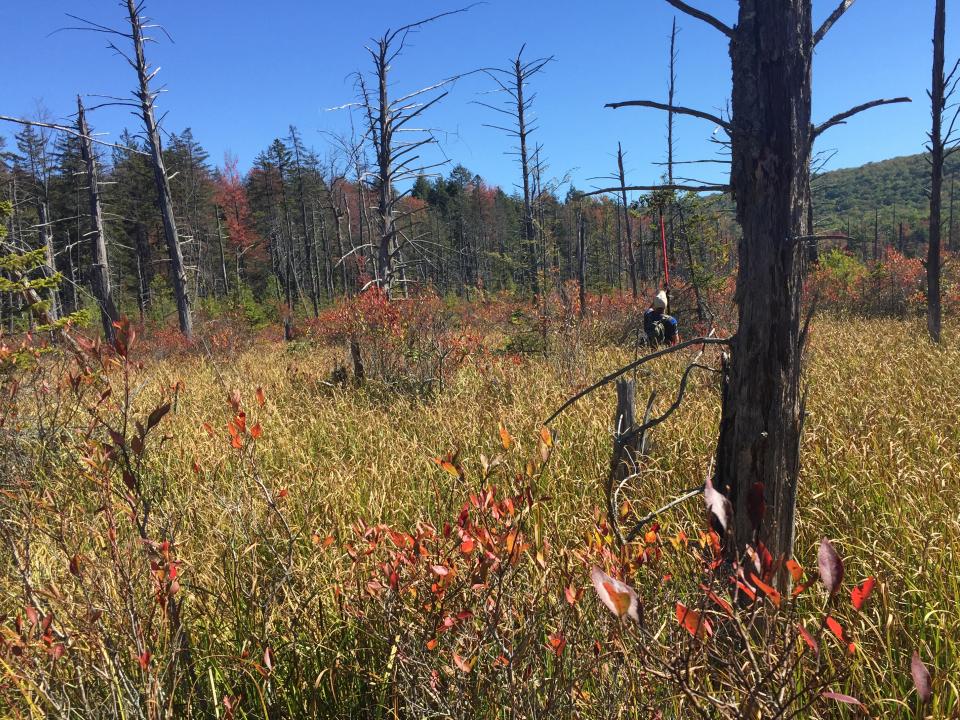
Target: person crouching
[{"x": 661, "y": 329}]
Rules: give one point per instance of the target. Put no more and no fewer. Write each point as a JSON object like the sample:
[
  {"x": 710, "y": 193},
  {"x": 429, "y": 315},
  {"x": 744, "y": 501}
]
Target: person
[{"x": 661, "y": 329}]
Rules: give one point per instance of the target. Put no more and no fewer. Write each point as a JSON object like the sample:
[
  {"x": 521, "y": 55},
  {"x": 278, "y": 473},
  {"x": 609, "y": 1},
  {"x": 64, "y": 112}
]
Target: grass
[{"x": 260, "y": 588}]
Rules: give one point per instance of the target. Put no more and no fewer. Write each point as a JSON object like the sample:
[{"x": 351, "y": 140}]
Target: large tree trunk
[
  {"x": 759, "y": 442},
  {"x": 937, "y": 99},
  {"x": 100, "y": 270},
  {"x": 164, "y": 199}
]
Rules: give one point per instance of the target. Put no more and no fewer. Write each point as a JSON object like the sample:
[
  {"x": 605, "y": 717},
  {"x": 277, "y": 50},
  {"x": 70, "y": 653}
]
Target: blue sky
[{"x": 241, "y": 71}]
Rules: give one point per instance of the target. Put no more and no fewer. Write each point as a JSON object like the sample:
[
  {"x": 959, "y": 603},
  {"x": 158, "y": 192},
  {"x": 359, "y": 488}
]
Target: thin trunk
[
  {"x": 164, "y": 199},
  {"x": 631, "y": 253},
  {"x": 527, "y": 225},
  {"x": 223, "y": 259},
  {"x": 938, "y": 102},
  {"x": 100, "y": 270}
]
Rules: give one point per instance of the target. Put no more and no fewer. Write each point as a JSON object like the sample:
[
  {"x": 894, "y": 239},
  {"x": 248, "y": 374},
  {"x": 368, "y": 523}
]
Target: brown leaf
[
  {"x": 921, "y": 678},
  {"x": 830, "y": 565}
]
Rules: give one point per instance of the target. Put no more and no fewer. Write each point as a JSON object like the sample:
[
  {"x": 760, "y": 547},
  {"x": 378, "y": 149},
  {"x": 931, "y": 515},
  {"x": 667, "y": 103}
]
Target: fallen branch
[{"x": 635, "y": 364}]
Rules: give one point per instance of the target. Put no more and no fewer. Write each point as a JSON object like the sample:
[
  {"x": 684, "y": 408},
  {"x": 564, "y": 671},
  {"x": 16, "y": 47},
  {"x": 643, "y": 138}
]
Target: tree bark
[
  {"x": 938, "y": 102},
  {"x": 759, "y": 441},
  {"x": 100, "y": 270}
]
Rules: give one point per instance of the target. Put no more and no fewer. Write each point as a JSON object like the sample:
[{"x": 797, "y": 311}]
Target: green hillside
[{"x": 896, "y": 185}]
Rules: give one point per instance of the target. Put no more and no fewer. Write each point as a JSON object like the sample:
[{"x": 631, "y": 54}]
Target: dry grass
[{"x": 881, "y": 477}]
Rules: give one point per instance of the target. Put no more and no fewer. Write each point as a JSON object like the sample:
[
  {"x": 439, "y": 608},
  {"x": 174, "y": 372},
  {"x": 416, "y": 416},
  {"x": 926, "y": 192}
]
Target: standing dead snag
[
  {"x": 511, "y": 80},
  {"x": 100, "y": 269},
  {"x": 395, "y": 160},
  {"x": 942, "y": 145},
  {"x": 771, "y": 51},
  {"x": 147, "y": 99}
]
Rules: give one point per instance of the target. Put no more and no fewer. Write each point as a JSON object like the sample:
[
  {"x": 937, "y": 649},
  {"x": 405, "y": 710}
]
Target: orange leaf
[
  {"x": 769, "y": 591},
  {"x": 796, "y": 572},
  {"x": 236, "y": 442},
  {"x": 256, "y": 431},
  {"x": 431, "y": 644},
  {"x": 859, "y": 595},
  {"x": 557, "y": 642},
  {"x": 572, "y": 594},
  {"x": 505, "y": 439},
  {"x": 696, "y": 625},
  {"x": 546, "y": 436},
  {"x": 466, "y": 547},
  {"x": 620, "y": 598},
  {"x": 260, "y": 396}
]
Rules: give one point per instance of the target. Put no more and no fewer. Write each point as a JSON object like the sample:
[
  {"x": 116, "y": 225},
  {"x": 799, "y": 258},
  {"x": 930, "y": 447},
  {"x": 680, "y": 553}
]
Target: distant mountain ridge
[{"x": 899, "y": 184}]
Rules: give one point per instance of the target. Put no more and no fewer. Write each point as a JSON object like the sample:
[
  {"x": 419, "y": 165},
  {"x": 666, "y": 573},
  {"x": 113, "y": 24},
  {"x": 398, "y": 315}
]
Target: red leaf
[
  {"x": 620, "y": 598},
  {"x": 830, "y": 565},
  {"x": 572, "y": 594},
  {"x": 848, "y": 699},
  {"x": 809, "y": 639},
  {"x": 260, "y": 397},
  {"x": 859, "y": 595},
  {"x": 256, "y": 431},
  {"x": 769, "y": 591},
  {"x": 440, "y": 570},
  {"x": 756, "y": 505},
  {"x": 144, "y": 659},
  {"x": 696, "y": 625},
  {"x": 723, "y": 604},
  {"x": 921, "y": 678}
]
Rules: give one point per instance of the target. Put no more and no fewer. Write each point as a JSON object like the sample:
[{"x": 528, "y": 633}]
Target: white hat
[{"x": 660, "y": 300}]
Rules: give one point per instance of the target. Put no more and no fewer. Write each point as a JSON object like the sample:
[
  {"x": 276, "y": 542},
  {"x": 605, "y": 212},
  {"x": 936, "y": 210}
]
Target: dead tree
[
  {"x": 518, "y": 107},
  {"x": 942, "y": 145},
  {"x": 771, "y": 140},
  {"x": 100, "y": 269},
  {"x": 144, "y": 104},
  {"x": 631, "y": 252},
  {"x": 396, "y": 160},
  {"x": 147, "y": 99}
]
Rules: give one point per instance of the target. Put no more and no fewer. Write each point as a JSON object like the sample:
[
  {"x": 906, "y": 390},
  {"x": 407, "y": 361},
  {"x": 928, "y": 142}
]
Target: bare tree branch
[
  {"x": 844, "y": 116},
  {"x": 671, "y": 108},
  {"x": 701, "y": 15},
  {"x": 834, "y": 16},
  {"x": 654, "y": 188},
  {"x": 70, "y": 131}
]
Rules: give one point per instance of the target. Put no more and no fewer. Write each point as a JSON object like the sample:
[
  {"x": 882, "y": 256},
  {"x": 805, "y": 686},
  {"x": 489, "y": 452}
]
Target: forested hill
[{"x": 898, "y": 184}]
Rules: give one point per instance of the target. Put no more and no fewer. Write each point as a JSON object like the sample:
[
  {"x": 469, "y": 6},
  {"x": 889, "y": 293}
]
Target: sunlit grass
[{"x": 881, "y": 478}]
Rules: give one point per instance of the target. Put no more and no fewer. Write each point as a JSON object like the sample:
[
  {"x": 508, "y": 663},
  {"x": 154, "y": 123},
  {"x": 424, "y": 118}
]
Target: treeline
[{"x": 299, "y": 230}]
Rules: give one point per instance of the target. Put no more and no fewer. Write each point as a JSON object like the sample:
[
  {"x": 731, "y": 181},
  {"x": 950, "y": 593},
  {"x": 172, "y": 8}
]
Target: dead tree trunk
[
  {"x": 100, "y": 269},
  {"x": 938, "y": 101},
  {"x": 758, "y": 448},
  {"x": 223, "y": 258},
  {"x": 147, "y": 100},
  {"x": 771, "y": 138},
  {"x": 631, "y": 252}
]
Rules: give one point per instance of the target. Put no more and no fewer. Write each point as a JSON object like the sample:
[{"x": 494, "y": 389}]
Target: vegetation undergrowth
[{"x": 228, "y": 533}]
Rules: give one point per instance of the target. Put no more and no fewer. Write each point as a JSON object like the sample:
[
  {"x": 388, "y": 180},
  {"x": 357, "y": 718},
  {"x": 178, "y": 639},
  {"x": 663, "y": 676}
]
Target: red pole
[{"x": 663, "y": 241}]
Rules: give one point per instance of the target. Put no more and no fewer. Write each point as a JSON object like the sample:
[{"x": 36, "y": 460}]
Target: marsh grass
[{"x": 261, "y": 532}]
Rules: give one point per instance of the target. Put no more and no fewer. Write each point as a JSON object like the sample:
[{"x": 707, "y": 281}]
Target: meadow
[{"x": 234, "y": 531}]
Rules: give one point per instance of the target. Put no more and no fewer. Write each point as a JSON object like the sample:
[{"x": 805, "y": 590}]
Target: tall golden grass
[{"x": 262, "y": 536}]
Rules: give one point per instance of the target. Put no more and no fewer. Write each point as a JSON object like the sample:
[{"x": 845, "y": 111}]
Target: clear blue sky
[{"x": 241, "y": 71}]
